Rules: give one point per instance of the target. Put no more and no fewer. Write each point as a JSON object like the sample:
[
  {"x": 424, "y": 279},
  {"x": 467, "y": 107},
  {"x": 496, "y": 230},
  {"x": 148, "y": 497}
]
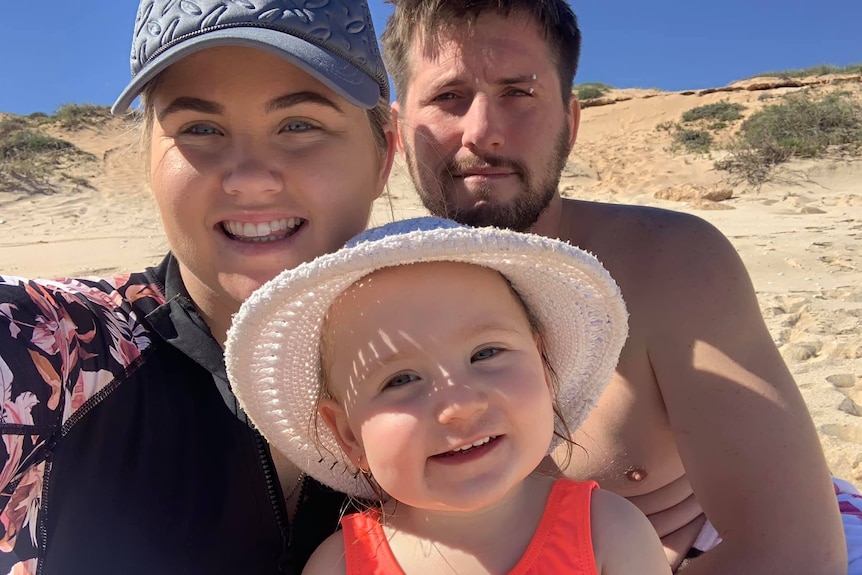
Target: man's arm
[{"x": 746, "y": 439}]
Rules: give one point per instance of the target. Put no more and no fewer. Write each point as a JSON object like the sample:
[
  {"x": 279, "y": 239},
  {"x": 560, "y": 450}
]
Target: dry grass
[{"x": 29, "y": 157}]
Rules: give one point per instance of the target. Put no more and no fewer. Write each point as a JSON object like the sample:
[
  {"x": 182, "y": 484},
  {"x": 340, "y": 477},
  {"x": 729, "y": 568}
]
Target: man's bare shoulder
[
  {"x": 630, "y": 222},
  {"x": 635, "y": 242}
]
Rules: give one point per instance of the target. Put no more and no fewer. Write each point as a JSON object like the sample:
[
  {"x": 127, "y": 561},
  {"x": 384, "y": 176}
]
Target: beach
[{"x": 800, "y": 235}]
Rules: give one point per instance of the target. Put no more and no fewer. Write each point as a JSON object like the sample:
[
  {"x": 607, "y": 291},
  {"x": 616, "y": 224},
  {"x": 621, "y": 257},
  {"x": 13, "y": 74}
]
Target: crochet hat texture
[
  {"x": 273, "y": 348},
  {"x": 333, "y": 40}
]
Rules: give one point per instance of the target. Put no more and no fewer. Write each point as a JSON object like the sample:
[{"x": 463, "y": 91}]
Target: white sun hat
[{"x": 273, "y": 347}]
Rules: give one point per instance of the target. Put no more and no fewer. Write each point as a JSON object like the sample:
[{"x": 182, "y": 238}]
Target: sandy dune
[{"x": 800, "y": 236}]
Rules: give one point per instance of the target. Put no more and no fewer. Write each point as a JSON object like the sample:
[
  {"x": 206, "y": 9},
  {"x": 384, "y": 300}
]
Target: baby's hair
[
  {"x": 324, "y": 392},
  {"x": 561, "y": 428}
]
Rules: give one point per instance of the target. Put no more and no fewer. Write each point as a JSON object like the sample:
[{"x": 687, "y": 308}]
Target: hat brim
[
  {"x": 344, "y": 78},
  {"x": 272, "y": 350}
]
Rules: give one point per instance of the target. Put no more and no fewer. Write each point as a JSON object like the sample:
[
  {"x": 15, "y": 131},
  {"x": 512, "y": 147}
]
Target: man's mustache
[{"x": 460, "y": 165}]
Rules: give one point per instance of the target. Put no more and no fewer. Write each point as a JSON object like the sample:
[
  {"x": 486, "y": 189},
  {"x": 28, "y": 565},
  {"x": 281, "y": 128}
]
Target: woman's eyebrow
[
  {"x": 289, "y": 100},
  {"x": 191, "y": 104}
]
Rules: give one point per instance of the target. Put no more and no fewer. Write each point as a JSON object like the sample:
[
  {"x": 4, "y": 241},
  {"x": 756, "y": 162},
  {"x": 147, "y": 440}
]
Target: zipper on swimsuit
[
  {"x": 43, "y": 517},
  {"x": 272, "y": 490}
]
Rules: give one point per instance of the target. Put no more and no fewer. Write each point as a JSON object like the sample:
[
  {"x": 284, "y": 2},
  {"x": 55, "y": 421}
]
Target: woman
[{"x": 125, "y": 452}]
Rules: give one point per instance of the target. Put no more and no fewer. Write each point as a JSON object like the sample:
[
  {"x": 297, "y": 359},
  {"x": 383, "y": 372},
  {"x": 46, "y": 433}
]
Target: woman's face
[{"x": 256, "y": 167}]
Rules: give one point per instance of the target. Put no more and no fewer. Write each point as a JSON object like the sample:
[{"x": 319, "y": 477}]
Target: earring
[{"x": 363, "y": 466}]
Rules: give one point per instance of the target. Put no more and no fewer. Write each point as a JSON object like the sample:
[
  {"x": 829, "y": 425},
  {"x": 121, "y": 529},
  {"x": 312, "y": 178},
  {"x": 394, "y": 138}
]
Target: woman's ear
[
  {"x": 388, "y": 157},
  {"x": 396, "y": 126},
  {"x": 335, "y": 417}
]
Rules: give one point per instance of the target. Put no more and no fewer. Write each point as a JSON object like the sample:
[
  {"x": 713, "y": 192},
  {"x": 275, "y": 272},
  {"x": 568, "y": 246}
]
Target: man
[{"x": 702, "y": 418}]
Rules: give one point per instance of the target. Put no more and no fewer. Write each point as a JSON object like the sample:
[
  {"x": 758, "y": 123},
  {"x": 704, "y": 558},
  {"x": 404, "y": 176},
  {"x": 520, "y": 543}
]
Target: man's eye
[
  {"x": 444, "y": 97},
  {"x": 401, "y": 379},
  {"x": 486, "y": 353},
  {"x": 519, "y": 92}
]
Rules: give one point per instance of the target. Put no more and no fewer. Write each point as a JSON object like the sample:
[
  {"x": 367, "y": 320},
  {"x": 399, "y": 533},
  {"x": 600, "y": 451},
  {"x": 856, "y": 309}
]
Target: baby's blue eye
[
  {"x": 486, "y": 353},
  {"x": 401, "y": 379}
]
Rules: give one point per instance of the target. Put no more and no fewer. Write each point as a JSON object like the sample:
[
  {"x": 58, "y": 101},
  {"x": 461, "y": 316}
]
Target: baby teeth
[{"x": 476, "y": 444}]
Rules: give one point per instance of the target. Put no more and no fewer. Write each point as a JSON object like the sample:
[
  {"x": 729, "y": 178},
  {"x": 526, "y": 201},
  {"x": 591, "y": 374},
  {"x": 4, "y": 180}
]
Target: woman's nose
[{"x": 252, "y": 170}]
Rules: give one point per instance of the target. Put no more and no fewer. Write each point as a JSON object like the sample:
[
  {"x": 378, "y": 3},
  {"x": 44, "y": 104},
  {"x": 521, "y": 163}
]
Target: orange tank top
[{"x": 562, "y": 543}]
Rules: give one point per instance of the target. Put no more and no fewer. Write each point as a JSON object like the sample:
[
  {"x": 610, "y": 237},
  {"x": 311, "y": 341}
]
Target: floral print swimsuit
[{"x": 125, "y": 450}]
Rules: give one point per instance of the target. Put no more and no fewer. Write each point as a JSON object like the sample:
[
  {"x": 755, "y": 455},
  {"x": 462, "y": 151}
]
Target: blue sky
[{"x": 60, "y": 51}]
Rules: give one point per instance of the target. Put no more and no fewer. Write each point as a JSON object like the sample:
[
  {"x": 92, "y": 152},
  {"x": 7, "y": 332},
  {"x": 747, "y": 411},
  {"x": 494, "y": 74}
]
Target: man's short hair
[{"x": 413, "y": 19}]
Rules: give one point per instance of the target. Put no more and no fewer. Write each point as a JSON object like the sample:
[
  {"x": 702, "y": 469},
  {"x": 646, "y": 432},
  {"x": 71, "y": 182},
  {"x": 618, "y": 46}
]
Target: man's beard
[{"x": 537, "y": 190}]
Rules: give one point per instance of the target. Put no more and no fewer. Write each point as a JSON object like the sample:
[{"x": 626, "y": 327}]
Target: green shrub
[
  {"x": 821, "y": 70},
  {"x": 697, "y": 141},
  {"x": 591, "y": 90},
  {"x": 26, "y": 144},
  {"x": 12, "y": 125},
  {"x": 719, "y": 111},
  {"x": 29, "y": 154},
  {"x": 804, "y": 126},
  {"x": 798, "y": 126},
  {"x": 75, "y": 116}
]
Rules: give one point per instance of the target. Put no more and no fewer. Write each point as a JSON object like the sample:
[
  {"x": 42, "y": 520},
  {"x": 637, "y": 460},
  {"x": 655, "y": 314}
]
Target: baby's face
[{"x": 439, "y": 384}]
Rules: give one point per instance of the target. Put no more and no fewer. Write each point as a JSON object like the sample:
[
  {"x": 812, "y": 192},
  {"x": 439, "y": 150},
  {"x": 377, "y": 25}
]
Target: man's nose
[{"x": 482, "y": 125}]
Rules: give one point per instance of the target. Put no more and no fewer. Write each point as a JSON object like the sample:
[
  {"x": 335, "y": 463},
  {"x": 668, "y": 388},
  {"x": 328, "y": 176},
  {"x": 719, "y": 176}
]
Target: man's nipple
[{"x": 636, "y": 475}]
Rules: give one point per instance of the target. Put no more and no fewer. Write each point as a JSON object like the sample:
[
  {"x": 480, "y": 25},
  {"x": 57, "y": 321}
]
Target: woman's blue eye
[
  {"x": 298, "y": 126},
  {"x": 486, "y": 353},
  {"x": 401, "y": 379},
  {"x": 201, "y": 130}
]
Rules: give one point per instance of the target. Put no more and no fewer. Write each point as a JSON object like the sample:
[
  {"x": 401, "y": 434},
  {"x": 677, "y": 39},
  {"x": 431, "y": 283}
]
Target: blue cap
[{"x": 333, "y": 40}]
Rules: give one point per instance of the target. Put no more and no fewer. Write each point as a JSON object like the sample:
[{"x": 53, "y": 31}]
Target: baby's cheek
[{"x": 393, "y": 446}]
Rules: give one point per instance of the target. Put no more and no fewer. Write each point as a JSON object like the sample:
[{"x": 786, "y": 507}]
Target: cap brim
[{"x": 344, "y": 78}]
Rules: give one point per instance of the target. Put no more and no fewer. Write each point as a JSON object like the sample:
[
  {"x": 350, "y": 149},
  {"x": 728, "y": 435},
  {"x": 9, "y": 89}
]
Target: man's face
[{"x": 483, "y": 128}]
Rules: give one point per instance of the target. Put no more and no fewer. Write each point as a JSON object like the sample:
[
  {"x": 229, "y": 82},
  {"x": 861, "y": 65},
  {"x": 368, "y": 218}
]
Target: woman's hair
[{"x": 148, "y": 121}]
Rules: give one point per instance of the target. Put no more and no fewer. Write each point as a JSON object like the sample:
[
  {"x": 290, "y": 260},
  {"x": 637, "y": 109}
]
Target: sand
[{"x": 800, "y": 236}]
